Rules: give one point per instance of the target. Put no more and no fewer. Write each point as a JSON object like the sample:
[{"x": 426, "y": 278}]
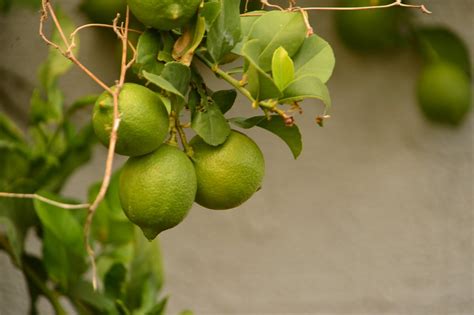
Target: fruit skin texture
[
  {"x": 370, "y": 30},
  {"x": 158, "y": 189},
  {"x": 444, "y": 93},
  {"x": 229, "y": 174},
  {"x": 164, "y": 14},
  {"x": 144, "y": 120}
]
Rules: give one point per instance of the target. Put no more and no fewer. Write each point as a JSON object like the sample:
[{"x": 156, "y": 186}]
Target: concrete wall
[{"x": 375, "y": 217}]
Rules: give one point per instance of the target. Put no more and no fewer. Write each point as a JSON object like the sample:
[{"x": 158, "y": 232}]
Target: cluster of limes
[
  {"x": 443, "y": 89},
  {"x": 159, "y": 182}
]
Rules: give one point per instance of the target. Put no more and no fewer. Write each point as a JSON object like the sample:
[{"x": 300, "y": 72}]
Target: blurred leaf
[
  {"x": 283, "y": 71},
  {"x": 110, "y": 225},
  {"x": 122, "y": 309},
  {"x": 9, "y": 130},
  {"x": 260, "y": 84},
  {"x": 186, "y": 312},
  {"x": 438, "y": 43},
  {"x": 36, "y": 265},
  {"x": 63, "y": 243},
  {"x": 290, "y": 135},
  {"x": 210, "y": 124},
  {"x": 277, "y": 28},
  {"x": 225, "y": 31},
  {"x": 304, "y": 87},
  {"x": 224, "y": 99},
  {"x": 114, "y": 281},
  {"x": 148, "y": 47},
  {"x": 159, "y": 309},
  {"x": 14, "y": 238},
  {"x": 85, "y": 293},
  {"x": 315, "y": 57},
  {"x": 189, "y": 41},
  {"x": 146, "y": 272}
]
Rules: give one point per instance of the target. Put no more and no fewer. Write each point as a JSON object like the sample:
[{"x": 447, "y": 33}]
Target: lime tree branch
[
  {"x": 122, "y": 33},
  {"x": 397, "y": 3},
  {"x": 45, "y": 200}
]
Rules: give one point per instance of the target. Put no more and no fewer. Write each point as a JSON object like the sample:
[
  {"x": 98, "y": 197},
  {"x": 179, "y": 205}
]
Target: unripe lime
[
  {"x": 144, "y": 121},
  {"x": 370, "y": 30},
  {"x": 444, "y": 93},
  {"x": 158, "y": 189},
  {"x": 229, "y": 174},
  {"x": 164, "y": 14}
]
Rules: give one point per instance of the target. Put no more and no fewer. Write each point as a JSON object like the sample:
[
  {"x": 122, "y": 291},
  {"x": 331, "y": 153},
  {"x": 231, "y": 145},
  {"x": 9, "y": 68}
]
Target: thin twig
[
  {"x": 68, "y": 53},
  {"x": 122, "y": 33},
  {"x": 397, "y": 3},
  {"x": 45, "y": 200}
]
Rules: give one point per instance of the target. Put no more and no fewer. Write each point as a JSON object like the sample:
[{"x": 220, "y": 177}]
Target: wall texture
[{"x": 376, "y": 217}]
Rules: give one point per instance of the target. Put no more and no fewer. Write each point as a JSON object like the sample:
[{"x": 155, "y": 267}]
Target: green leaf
[
  {"x": 210, "y": 124},
  {"x": 260, "y": 84},
  {"x": 315, "y": 57},
  {"x": 225, "y": 31},
  {"x": 189, "y": 41},
  {"x": 56, "y": 64},
  {"x": 178, "y": 75},
  {"x": 438, "y": 43},
  {"x": 210, "y": 11},
  {"x": 283, "y": 71},
  {"x": 14, "y": 237},
  {"x": 146, "y": 272},
  {"x": 304, "y": 87},
  {"x": 148, "y": 47},
  {"x": 224, "y": 99},
  {"x": 290, "y": 135},
  {"x": 186, "y": 312},
  {"x": 122, "y": 308},
  {"x": 114, "y": 282},
  {"x": 110, "y": 225},
  {"x": 159, "y": 309},
  {"x": 63, "y": 243},
  {"x": 35, "y": 265},
  {"x": 275, "y": 29},
  {"x": 162, "y": 83},
  {"x": 84, "y": 292},
  {"x": 9, "y": 130}
]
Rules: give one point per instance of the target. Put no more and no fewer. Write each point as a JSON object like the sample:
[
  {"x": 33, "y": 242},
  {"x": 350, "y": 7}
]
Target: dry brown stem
[{"x": 45, "y": 200}]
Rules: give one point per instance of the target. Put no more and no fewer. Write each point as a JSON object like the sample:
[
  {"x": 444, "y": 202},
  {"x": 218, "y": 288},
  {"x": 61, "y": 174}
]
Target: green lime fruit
[
  {"x": 158, "y": 189},
  {"x": 229, "y": 174},
  {"x": 103, "y": 11},
  {"x": 144, "y": 121},
  {"x": 444, "y": 93},
  {"x": 370, "y": 30},
  {"x": 164, "y": 14}
]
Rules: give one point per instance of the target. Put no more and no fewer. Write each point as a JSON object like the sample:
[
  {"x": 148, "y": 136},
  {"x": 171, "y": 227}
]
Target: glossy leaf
[
  {"x": 315, "y": 57},
  {"x": 224, "y": 99},
  {"x": 283, "y": 71},
  {"x": 304, "y": 87},
  {"x": 210, "y": 11},
  {"x": 260, "y": 84},
  {"x": 276, "y": 125},
  {"x": 210, "y": 124},
  {"x": 83, "y": 292},
  {"x": 162, "y": 83},
  {"x": 178, "y": 75},
  {"x": 275, "y": 29},
  {"x": 148, "y": 47},
  {"x": 159, "y": 309},
  {"x": 225, "y": 31}
]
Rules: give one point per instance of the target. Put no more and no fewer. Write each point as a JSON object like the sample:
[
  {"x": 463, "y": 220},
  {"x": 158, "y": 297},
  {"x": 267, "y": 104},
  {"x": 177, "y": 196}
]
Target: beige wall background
[{"x": 375, "y": 217}]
